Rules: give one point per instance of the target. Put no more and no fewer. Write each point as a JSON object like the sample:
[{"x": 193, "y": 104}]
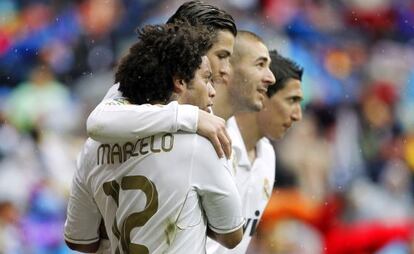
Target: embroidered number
[{"x": 137, "y": 219}]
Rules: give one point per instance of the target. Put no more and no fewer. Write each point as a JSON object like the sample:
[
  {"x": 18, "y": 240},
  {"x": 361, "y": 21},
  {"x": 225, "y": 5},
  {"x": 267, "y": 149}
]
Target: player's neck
[
  {"x": 249, "y": 131},
  {"x": 222, "y": 102},
  {"x": 222, "y": 108}
]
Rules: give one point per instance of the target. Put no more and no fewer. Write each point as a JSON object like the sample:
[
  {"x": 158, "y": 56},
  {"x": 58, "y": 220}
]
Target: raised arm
[{"x": 114, "y": 119}]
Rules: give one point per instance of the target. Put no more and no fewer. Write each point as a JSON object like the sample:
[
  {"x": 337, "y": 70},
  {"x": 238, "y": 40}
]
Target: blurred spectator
[
  {"x": 40, "y": 102},
  {"x": 345, "y": 174},
  {"x": 10, "y": 241}
]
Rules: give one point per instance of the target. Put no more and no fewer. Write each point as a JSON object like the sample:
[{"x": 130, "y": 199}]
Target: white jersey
[
  {"x": 254, "y": 183},
  {"x": 158, "y": 193},
  {"x": 113, "y": 120}
]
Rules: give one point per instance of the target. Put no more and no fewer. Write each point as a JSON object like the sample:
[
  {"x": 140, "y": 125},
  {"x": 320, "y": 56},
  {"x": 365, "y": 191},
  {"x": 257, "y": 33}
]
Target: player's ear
[{"x": 179, "y": 85}]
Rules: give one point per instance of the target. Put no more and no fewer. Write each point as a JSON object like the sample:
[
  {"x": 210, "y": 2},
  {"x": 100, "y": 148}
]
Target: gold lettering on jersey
[
  {"x": 152, "y": 146},
  {"x": 135, "y": 147},
  {"x": 116, "y": 151},
  {"x": 167, "y": 143},
  {"x": 128, "y": 150},
  {"x": 119, "y": 153},
  {"x": 144, "y": 144},
  {"x": 103, "y": 150}
]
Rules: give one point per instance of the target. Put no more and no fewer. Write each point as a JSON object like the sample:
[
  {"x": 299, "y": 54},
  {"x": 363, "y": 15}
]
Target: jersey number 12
[{"x": 134, "y": 220}]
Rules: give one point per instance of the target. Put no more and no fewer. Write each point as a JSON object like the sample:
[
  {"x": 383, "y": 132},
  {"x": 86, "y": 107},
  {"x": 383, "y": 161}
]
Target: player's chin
[
  {"x": 207, "y": 109},
  {"x": 276, "y": 135},
  {"x": 258, "y": 101},
  {"x": 257, "y": 105},
  {"x": 251, "y": 104},
  {"x": 219, "y": 80},
  {"x": 252, "y": 107}
]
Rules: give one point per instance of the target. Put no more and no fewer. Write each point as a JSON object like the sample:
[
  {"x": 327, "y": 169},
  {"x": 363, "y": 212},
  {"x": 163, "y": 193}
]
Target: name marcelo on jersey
[{"x": 119, "y": 153}]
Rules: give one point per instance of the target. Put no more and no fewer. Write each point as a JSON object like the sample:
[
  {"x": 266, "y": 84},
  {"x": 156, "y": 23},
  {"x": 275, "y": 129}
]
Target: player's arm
[
  {"x": 229, "y": 240},
  {"x": 87, "y": 248},
  {"x": 83, "y": 218},
  {"x": 100, "y": 247},
  {"x": 118, "y": 120},
  {"x": 219, "y": 196},
  {"x": 114, "y": 119}
]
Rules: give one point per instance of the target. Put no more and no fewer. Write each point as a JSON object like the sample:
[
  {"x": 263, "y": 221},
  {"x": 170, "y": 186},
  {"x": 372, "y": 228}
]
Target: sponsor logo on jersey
[{"x": 251, "y": 224}]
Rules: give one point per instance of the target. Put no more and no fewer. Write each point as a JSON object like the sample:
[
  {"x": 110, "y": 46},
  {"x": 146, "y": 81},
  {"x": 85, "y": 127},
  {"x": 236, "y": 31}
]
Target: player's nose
[
  {"x": 211, "y": 90},
  {"x": 269, "y": 78},
  {"x": 225, "y": 67},
  {"x": 297, "y": 113}
]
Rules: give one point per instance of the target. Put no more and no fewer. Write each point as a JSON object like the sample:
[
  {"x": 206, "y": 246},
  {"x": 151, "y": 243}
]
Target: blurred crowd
[{"x": 345, "y": 174}]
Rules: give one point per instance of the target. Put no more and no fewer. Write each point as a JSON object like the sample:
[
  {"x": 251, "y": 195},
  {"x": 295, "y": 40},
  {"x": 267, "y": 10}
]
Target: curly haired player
[{"x": 160, "y": 193}]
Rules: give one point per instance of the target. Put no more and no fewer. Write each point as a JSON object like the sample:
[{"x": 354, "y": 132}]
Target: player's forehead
[
  {"x": 205, "y": 66},
  {"x": 223, "y": 41},
  {"x": 254, "y": 50},
  {"x": 292, "y": 88}
]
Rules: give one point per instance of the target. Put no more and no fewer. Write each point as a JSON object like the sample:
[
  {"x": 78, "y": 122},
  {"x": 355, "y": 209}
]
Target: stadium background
[{"x": 344, "y": 180}]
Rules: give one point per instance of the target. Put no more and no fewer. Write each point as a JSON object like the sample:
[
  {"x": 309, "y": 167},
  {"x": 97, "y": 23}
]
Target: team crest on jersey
[
  {"x": 266, "y": 188},
  {"x": 170, "y": 231},
  {"x": 234, "y": 160},
  {"x": 117, "y": 102}
]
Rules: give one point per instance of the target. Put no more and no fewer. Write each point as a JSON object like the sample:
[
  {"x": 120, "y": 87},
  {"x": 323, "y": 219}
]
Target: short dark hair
[
  {"x": 197, "y": 12},
  {"x": 284, "y": 69},
  {"x": 145, "y": 74},
  {"x": 250, "y": 35},
  {"x": 240, "y": 49}
]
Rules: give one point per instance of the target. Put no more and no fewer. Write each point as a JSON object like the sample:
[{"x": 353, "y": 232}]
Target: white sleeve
[
  {"x": 114, "y": 120},
  {"x": 83, "y": 217},
  {"x": 217, "y": 189},
  {"x": 104, "y": 247}
]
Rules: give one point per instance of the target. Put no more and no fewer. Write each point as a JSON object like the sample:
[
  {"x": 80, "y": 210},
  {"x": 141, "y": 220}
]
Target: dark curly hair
[
  {"x": 145, "y": 74},
  {"x": 197, "y": 12}
]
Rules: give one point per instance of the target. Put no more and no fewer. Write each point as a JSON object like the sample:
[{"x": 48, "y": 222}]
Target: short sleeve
[
  {"x": 214, "y": 183},
  {"x": 83, "y": 217},
  {"x": 104, "y": 247}
]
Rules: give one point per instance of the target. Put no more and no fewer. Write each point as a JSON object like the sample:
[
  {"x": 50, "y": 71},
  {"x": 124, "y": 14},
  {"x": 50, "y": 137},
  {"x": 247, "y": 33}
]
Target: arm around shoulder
[
  {"x": 116, "y": 120},
  {"x": 214, "y": 128}
]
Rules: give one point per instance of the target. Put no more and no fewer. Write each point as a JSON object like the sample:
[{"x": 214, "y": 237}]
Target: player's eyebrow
[
  {"x": 297, "y": 98},
  {"x": 262, "y": 58},
  {"x": 224, "y": 52},
  {"x": 207, "y": 74}
]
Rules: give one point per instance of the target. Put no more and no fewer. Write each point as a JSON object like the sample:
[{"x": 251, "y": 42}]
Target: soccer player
[
  {"x": 254, "y": 166},
  {"x": 243, "y": 90},
  {"x": 107, "y": 121},
  {"x": 157, "y": 194},
  {"x": 111, "y": 122}
]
